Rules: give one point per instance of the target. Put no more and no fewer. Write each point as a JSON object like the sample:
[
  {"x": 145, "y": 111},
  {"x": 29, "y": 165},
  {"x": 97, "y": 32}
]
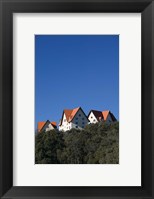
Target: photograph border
[{"x": 7, "y": 8}]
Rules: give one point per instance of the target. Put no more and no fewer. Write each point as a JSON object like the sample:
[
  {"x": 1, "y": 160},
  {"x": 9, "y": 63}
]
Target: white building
[
  {"x": 46, "y": 126},
  {"x": 96, "y": 116},
  {"x": 74, "y": 118}
]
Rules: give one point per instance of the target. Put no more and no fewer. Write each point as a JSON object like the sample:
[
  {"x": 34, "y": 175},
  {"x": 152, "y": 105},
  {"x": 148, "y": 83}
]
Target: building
[
  {"x": 97, "y": 116},
  {"x": 74, "y": 118},
  {"x": 46, "y": 126}
]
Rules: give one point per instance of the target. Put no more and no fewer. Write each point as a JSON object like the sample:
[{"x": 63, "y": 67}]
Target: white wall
[
  {"x": 92, "y": 118},
  {"x": 65, "y": 125},
  {"x": 47, "y": 127},
  {"x": 78, "y": 122}
]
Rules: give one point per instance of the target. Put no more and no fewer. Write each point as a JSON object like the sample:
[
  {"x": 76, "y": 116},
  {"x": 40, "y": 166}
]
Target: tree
[
  {"x": 96, "y": 144},
  {"x": 46, "y": 146}
]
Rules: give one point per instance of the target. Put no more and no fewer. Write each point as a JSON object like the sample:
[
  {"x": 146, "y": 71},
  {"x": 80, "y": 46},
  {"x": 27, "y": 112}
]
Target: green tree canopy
[{"x": 96, "y": 144}]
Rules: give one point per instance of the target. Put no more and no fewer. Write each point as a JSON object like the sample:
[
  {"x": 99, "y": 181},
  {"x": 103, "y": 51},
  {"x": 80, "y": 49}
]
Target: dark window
[
  {"x": 82, "y": 126},
  {"x": 82, "y": 122},
  {"x": 79, "y": 115},
  {"x": 76, "y": 122},
  {"x": 91, "y": 116},
  {"x": 76, "y": 118},
  {"x": 83, "y": 118},
  {"x": 76, "y": 126}
]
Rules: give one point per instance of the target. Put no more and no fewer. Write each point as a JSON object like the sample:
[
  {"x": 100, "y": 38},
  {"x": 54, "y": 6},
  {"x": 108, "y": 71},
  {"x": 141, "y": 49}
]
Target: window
[
  {"x": 76, "y": 126},
  {"x": 76, "y": 122},
  {"x": 83, "y": 118},
  {"x": 91, "y": 117},
  {"x": 64, "y": 120},
  {"x": 76, "y": 118},
  {"x": 94, "y": 120},
  {"x": 79, "y": 115},
  {"x": 82, "y": 126},
  {"x": 83, "y": 123}
]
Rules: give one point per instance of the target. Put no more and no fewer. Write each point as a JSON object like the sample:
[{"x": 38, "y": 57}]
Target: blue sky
[{"x": 73, "y": 71}]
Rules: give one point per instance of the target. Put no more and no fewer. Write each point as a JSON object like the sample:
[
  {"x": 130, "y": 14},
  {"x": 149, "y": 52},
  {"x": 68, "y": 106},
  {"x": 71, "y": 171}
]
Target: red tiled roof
[
  {"x": 40, "y": 125},
  {"x": 70, "y": 114},
  {"x": 102, "y": 115},
  {"x": 105, "y": 114},
  {"x": 54, "y": 124},
  {"x": 73, "y": 113}
]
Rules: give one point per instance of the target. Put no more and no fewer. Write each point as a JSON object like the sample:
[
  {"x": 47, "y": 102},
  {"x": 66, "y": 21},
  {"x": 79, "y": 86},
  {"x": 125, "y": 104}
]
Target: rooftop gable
[
  {"x": 70, "y": 114},
  {"x": 73, "y": 113},
  {"x": 54, "y": 124},
  {"x": 42, "y": 124},
  {"x": 113, "y": 117},
  {"x": 105, "y": 114},
  {"x": 97, "y": 114}
]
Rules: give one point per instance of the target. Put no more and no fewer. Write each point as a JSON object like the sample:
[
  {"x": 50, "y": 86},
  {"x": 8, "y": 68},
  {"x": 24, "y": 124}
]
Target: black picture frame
[{"x": 7, "y": 8}]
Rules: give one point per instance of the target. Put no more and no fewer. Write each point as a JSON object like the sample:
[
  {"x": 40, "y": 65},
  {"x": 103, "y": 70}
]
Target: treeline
[{"x": 96, "y": 144}]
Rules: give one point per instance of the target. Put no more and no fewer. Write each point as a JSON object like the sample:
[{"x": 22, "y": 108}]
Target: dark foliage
[{"x": 96, "y": 144}]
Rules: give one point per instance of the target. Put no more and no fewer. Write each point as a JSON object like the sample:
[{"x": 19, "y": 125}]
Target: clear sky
[{"x": 73, "y": 71}]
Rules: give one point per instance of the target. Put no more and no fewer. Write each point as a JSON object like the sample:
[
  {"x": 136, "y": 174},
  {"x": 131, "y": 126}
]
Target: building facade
[
  {"x": 46, "y": 126},
  {"x": 73, "y": 118},
  {"x": 97, "y": 116}
]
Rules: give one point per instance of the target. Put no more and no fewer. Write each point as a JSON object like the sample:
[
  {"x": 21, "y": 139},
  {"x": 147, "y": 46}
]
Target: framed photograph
[{"x": 76, "y": 99}]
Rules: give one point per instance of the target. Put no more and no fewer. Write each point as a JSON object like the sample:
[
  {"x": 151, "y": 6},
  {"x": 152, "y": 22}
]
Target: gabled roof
[
  {"x": 54, "y": 124},
  {"x": 70, "y": 114},
  {"x": 42, "y": 124},
  {"x": 73, "y": 113},
  {"x": 112, "y": 116},
  {"x": 102, "y": 115},
  {"x": 97, "y": 114},
  {"x": 106, "y": 113}
]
